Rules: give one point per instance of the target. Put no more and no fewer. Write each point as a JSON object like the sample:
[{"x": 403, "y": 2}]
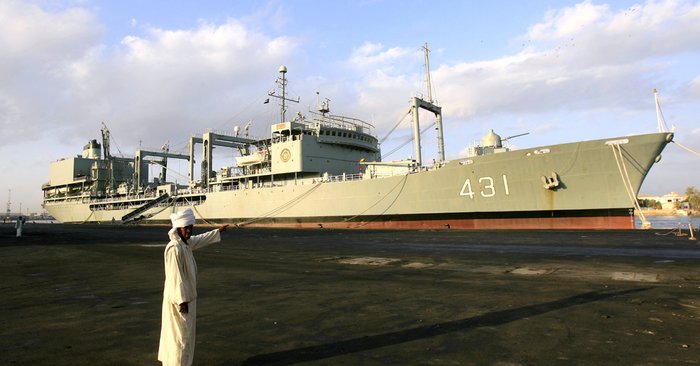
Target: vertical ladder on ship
[{"x": 134, "y": 215}]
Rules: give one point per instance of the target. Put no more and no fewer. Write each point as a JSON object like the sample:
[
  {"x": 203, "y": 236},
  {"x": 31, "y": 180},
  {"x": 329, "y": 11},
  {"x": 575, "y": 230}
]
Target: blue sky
[{"x": 157, "y": 71}]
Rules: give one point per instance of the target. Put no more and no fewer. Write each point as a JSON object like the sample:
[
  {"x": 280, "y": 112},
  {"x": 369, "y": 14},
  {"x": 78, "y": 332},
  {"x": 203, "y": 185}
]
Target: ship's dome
[{"x": 491, "y": 140}]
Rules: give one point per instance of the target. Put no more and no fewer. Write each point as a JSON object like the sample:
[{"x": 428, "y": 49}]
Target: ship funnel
[
  {"x": 491, "y": 140},
  {"x": 92, "y": 150}
]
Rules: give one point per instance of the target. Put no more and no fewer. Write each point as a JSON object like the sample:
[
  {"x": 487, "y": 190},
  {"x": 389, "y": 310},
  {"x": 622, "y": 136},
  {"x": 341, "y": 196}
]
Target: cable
[
  {"x": 153, "y": 162},
  {"x": 407, "y": 142},
  {"x": 394, "y": 128},
  {"x": 116, "y": 145}
]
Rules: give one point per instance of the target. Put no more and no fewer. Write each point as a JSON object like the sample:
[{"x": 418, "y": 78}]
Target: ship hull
[{"x": 588, "y": 189}]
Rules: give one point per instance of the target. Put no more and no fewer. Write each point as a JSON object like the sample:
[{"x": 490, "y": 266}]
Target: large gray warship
[{"x": 325, "y": 170}]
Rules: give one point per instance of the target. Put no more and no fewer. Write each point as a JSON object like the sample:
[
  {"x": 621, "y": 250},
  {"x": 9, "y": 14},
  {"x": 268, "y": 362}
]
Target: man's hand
[
  {"x": 223, "y": 228},
  {"x": 184, "y": 308}
]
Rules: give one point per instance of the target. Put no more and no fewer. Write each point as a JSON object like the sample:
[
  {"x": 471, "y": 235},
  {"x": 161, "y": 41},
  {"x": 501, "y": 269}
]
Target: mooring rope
[
  {"x": 88, "y": 218},
  {"x": 202, "y": 217},
  {"x": 622, "y": 168},
  {"x": 282, "y": 207},
  {"x": 402, "y": 183},
  {"x": 686, "y": 148}
]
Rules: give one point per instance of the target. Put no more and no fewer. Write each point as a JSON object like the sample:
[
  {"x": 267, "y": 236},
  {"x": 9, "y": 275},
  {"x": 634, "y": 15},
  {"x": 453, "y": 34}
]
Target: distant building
[{"x": 668, "y": 201}]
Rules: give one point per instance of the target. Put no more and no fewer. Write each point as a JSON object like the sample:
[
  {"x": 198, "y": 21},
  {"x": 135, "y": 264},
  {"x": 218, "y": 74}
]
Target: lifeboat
[{"x": 251, "y": 159}]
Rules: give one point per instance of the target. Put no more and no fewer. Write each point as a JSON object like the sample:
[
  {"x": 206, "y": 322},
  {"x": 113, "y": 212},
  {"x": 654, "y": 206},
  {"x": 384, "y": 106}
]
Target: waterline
[{"x": 670, "y": 222}]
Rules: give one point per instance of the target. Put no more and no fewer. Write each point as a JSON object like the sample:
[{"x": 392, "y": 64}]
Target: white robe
[
  {"x": 19, "y": 225},
  {"x": 177, "y": 332}
]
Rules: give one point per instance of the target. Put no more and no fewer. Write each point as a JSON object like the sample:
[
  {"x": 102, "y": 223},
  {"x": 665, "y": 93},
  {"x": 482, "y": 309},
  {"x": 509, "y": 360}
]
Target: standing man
[
  {"x": 179, "y": 317},
  {"x": 19, "y": 225}
]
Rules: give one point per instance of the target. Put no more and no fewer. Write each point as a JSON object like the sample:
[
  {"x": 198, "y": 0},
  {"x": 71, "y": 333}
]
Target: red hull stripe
[{"x": 604, "y": 222}]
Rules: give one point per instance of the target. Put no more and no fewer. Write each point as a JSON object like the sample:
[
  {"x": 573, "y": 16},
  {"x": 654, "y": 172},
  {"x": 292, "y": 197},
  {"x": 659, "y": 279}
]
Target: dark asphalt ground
[{"x": 91, "y": 295}]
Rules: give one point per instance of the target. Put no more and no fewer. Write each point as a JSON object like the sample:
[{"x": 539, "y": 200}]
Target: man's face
[{"x": 185, "y": 232}]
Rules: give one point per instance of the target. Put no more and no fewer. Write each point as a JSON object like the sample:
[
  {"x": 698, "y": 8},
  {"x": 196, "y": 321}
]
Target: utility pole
[{"x": 9, "y": 194}]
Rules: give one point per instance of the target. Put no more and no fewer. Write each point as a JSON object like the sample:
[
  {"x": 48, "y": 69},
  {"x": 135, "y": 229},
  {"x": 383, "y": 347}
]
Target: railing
[
  {"x": 194, "y": 196},
  {"x": 229, "y": 134},
  {"x": 343, "y": 122}
]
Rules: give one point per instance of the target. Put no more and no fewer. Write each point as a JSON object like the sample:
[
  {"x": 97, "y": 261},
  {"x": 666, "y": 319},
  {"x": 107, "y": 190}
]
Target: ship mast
[
  {"x": 107, "y": 158},
  {"x": 164, "y": 163},
  {"x": 282, "y": 82},
  {"x": 430, "y": 106},
  {"x": 427, "y": 72}
]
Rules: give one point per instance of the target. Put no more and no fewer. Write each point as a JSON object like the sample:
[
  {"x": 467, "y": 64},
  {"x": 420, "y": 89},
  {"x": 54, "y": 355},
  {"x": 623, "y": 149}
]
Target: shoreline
[{"x": 667, "y": 213}]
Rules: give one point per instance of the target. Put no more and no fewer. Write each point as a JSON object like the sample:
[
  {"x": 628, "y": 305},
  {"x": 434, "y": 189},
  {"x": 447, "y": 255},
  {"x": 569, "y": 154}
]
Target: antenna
[
  {"x": 427, "y": 72},
  {"x": 246, "y": 128},
  {"x": 323, "y": 107},
  {"x": 282, "y": 82}
]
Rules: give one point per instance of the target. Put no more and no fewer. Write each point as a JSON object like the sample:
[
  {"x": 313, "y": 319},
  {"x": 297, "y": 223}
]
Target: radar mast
[{"x": 282, "y": 82}]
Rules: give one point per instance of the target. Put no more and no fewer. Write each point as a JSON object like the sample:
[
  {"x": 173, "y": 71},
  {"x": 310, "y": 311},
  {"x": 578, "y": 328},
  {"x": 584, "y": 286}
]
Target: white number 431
[{"x": 485, "y": 186}]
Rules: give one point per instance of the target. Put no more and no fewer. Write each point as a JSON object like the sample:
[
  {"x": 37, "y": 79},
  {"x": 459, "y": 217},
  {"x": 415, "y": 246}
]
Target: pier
[{"x": 91, "y": 295}]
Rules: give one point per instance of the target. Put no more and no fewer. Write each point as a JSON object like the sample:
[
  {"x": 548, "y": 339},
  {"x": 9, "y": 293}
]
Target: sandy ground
[{"x": 91, "y": 295}]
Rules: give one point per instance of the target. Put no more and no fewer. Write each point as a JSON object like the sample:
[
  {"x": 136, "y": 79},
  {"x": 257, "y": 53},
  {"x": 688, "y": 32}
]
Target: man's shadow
[{"x": 323, "y": 351}]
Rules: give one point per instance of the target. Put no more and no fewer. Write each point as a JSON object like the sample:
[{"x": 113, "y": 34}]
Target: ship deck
[{"x": 91, "y": 294}]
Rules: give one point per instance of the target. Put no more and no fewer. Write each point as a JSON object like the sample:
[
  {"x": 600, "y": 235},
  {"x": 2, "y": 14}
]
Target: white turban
[{"x": 182, "y": 218}]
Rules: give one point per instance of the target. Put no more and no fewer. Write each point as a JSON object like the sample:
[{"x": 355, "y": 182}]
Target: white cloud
[
  {"x": 598, "y": 35},
  {"x": 38, "y": 51},
  {"x": 62, "y": 80},
  {"x": 197, "y": 77},
  {"x": 29, "y": 32},
  {"x": 583, "y": 57},
  {"x": 694, "y": 88},
  {"x": 374, "y": 55},
  {"x": 568, "y": 22}
]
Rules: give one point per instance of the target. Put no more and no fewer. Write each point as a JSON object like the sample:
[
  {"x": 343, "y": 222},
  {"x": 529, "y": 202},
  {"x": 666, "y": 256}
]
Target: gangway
[{"x": 134, "y": 215}]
